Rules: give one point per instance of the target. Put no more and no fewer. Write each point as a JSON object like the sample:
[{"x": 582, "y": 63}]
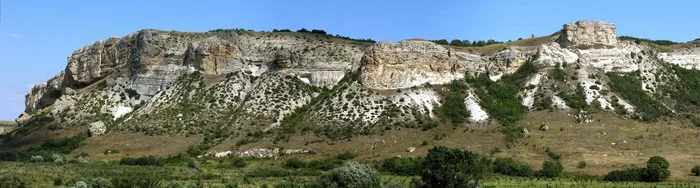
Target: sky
[{"x": 36, "y": 37}]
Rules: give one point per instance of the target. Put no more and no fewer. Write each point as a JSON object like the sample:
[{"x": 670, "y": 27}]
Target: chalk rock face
[
  {"x": 687, "y": 58},
  {"x": 213, "y": 56},
  {"x": 94, "y": 61},
  {"x": 408, "y": 63},
  {"x": 588, "y": 34},
  {"x": 551, "y": 54},
  {"x": 44, "y": 94}
]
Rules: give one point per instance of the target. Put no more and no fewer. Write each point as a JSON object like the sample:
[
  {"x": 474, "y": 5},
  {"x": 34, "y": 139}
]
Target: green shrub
[
  {"x": 136, "y": 180},
  {"x": 294, "y": 163},
  {"x": 552, "y": 155},
  {"x": 655, "y": 171},
  {"x": 351, "y": 174},
  {"x": 268, "y": 172},
  {"x": 325, "y": 164},
  {"x": 581, "y": 164},
  {"x": 577, "y": 99},
  {"x": 630, "y": 88},
  {"x": 696, "y": 121},
  {"x": 62, "y": 146},
  {"x": 238, "y": 162},
  {"x": 346, "y": 156},
  {"x": 192, "y": 163},
  {"x": 7, "y": 180},
  {"x": 445, "y": 167},
  {"x": 454, "y": 109},
  {"x": 402, "y": 166},
  {"x": 512, "y": 167},
  {"x": 500, "y": 99},
  {"x": 632, "y": 174},
  {"x": 696, "y": 170},
  {"x": 142, "y": 161},
  {"x": 551, "y": 169}
]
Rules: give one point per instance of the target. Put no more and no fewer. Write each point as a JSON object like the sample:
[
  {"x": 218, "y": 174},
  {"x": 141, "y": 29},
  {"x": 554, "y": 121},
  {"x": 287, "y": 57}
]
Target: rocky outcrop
[
  {"x": 97, "y": 128},
  {"x": 407, "y": 64},
  {"x": 688, "y": 58},
  {"x": 152, "y": 59},
  {"x": 550, "y": 54},
  {"x": 588, "y": 34}
]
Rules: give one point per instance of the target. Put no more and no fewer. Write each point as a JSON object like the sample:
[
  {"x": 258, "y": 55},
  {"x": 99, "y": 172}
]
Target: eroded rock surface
[{"x": 588, "y": 34}]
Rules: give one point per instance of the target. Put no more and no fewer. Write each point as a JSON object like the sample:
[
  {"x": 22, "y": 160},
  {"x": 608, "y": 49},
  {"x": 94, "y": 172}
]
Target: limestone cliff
[{"x": 192, "y": 83}]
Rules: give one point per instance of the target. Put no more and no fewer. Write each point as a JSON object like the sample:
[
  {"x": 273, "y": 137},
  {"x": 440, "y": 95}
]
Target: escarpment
[{"x": 166, "y": 82}]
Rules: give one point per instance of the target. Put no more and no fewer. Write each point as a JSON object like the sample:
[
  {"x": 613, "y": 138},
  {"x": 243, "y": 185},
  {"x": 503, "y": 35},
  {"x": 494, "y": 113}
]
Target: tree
[
  {"x": 551, "y": 169},
  {"x": 456, "y": 42},
  {"x": 441, "y": 41},
  {"x": 696, "y": 170},
  {"x": 445, "y": 167},
  {"x": 318, "y": 31},
  {"x": 351, "y": 174},
  {"x": 302, "y": 30},
  {"x": 656, "y": 170}
]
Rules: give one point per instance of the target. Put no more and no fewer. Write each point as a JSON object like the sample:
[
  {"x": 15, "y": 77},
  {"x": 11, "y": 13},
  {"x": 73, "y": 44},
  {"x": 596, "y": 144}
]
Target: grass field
[
  {"x": 214, "y": 174},
  {"x": 608, "y": 143}
]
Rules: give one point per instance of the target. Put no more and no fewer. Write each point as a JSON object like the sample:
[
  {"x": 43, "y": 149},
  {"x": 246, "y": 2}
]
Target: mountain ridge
[{"x": 258, "y": 80}]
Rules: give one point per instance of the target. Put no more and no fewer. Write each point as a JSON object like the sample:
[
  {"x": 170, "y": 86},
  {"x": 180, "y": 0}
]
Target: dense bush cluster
[
  {"x": 445, "y": 167},
  {"x": 655, "y": 171},
  {"x": 630, "y": 88},
  {"x": 512, "y": 167},
  {"x": 406, "y": 166},
  {"x": 63, "y": 146},
  {"x": 351, "y": 174},
  {"x": 696, "y": 170},
  {"x": 322, "y": 32},
  {"x": 466, "y": 43},
  {"x": 686, "y": 91},
  {"x": 500, "y": 99},
  {"x": 640, "y": 40},
  {"x": 551, "y": 169},
  {"x": 453, "y": 108},
  {"x": 142, "y": 161},
  {"x": 577, "y": 99}
]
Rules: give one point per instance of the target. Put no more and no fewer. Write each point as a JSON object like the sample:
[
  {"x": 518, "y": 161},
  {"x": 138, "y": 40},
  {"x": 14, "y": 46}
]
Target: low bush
[
  {"x": 632, "y": 174},
  {"x": 696, "y": 170},
  {"x": 268, "y": 172},
  {"x": 238, "y": 162},
  {"x": 445, "y": 167},
  {"x": 551, "y": 169},
  {"x": 402, "y": 166},
  {"x": 62, "y": 146},
  {"x": 346, "y": 156},
  {"x": 137, "y": 180},
  {"x": 351, "y": 174},
  {"x": 294, "y": 163},
  {"x": 696, "y": 121},
  {"x": 655, "y": 171},
  {"x": 142, "y": 161},
  {"x": 582, "y": 164},
  {"x": 512, "y": 167},
  {"x": 7, "y": 180},
  {"x": 325, "y": 164}
]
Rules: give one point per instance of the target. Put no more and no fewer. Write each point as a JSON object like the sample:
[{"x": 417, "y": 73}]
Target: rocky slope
[{"x": 218, "y": 82}]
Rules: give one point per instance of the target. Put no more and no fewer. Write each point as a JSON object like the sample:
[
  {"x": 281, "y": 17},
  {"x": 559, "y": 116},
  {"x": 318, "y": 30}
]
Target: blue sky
[{"x": 36, "y": 37}]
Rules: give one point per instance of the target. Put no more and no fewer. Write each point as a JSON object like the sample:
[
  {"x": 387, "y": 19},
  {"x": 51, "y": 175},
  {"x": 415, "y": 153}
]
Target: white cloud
[{"x": 15, "y": 36}]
